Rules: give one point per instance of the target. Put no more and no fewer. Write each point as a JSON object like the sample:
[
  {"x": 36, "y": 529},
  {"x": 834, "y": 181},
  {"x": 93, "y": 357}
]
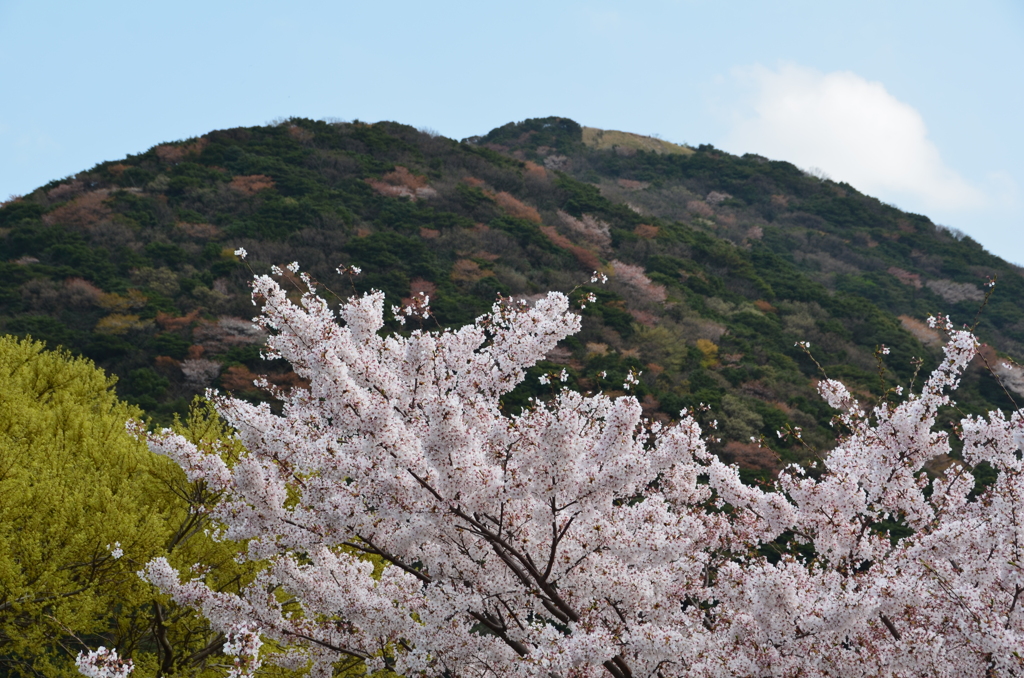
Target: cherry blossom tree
[{"x": 407, "y": 523}]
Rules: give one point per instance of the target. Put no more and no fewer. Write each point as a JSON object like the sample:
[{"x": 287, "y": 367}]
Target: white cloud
[{"x": 852, "y": 129}]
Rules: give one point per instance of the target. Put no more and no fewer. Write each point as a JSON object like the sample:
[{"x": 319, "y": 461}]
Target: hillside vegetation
[{"x": 717, "y": 266}]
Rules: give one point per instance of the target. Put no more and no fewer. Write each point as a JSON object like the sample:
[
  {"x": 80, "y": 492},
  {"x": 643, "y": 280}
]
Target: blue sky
[{"x": 917, "y": 103}]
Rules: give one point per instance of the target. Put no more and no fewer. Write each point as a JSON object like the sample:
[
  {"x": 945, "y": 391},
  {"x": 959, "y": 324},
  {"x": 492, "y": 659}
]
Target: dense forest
[{"x": 717, "y": 266}]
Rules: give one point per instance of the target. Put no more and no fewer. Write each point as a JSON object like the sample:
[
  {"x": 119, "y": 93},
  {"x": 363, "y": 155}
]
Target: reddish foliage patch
[
  {"x": 251, "y": 184},
  {"x": 401, "y": 176},
  {"x": 166, "y": 364},
  {"x": 65, "y": 191},
  {"x": 649, "y": 405},
  {"x": 238, "y": 378},
  {"x": 420, "y": 286},
  {"x": 402, "y": 183},
  {"x": 646, "y": 231},
  {"x": 169, "y": 322},
  {"x": 751, "y": 456},
  {"x": 905, "y": 277},
  {"x": 587, "y": 258},
  {"x": 83, "y": 212},
  {"x": 199, "y": 231},
  {"x": 467, "y": 270},
  {"x": 515, "y": 208},
  {"x": 643, "y": 317},
  {"x": 535, "y": 171},
  {"x": 288, "y": 380},
  {"x": 926, "y": 335},
  {"x": 172, "y": 155}
]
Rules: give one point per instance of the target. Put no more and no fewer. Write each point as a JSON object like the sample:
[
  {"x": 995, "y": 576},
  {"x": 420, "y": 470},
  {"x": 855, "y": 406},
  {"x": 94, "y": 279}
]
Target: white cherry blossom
[
  {"x": 103, "y": 663},
  {"x": 576, "y": 539}
]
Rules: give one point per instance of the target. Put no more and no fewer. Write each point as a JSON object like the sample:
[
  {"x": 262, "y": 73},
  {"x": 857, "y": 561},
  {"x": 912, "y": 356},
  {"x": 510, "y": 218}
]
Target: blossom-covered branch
[{"x": 577, "y": 538}]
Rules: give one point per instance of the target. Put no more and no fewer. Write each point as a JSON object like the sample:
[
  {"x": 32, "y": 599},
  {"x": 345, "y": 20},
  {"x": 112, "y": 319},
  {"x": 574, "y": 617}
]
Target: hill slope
[{"x": 718, "y": 264}]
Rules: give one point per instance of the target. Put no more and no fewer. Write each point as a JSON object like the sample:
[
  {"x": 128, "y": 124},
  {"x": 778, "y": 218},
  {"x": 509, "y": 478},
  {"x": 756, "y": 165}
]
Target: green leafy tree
[{"x": 83, "y": 505}]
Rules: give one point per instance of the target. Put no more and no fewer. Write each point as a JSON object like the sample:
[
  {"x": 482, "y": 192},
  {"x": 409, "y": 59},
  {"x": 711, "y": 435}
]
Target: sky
[{"x": 916, "y": 103}]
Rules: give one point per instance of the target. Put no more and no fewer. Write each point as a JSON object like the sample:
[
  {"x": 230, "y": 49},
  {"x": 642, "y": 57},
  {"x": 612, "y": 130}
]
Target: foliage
[
  {"x": 84, "y": 506},
  {"x": 559, "y": 134}
]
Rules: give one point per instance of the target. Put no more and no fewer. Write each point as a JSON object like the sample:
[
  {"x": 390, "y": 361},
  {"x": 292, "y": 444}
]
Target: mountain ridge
[{"x": 719, "y": 264}]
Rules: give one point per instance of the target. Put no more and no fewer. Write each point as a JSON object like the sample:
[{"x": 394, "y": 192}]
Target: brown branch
[
  {"x": 617, "y": 610},
  {"x": 1017, "y": 590},
  {"x": 160, "y": 633},
  {"x": 369, "y": 547},
  {"x": 615, "y": 669},
  {"x": 511, "y": 612},
  {"x": 501, "y": 632},
  {"x": 215, "y": 645},
  {"x": 506, "y": 552},
  {"x": 322, "y": 643},
  {"x": 556, "y": 537},
  {"x": 889, "y": 625}
]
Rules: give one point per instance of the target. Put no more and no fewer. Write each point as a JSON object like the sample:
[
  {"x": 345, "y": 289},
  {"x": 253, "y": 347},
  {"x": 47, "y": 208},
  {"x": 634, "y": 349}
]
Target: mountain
[{"x": 718, "y": 265}]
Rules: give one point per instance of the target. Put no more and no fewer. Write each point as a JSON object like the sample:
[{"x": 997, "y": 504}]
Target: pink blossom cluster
[
  {"x": 635, "y": 280},
  {"x": 579, "y": 539},
  {"x": 103, "y": 663},
  {"x": 244, "y": 644},
  {"x": 588, "y": 228}
]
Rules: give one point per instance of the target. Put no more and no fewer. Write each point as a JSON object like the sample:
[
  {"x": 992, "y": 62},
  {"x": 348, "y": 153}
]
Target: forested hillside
[{"x": 717, "y": 266}]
